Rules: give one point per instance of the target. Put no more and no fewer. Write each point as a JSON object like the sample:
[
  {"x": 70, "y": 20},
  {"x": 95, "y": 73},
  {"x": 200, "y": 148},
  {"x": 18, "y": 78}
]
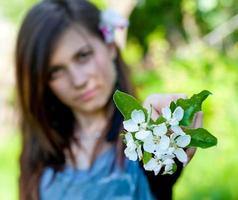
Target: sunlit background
[{"x": 176, "y": 46}]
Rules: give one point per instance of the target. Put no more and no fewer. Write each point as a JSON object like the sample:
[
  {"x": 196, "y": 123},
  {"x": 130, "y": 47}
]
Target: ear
[{"x": 112, "y": 50}]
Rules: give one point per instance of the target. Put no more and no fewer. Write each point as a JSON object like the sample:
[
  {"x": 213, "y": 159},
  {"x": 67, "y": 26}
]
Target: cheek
[
  {"x": 107, "y": 73},
  {"x": 61, "y": 90}
]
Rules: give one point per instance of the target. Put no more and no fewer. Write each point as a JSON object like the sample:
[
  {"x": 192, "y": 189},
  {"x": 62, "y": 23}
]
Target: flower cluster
[
  {"x": 109, "y": 22},
  {"x": 162, "y": 141}
]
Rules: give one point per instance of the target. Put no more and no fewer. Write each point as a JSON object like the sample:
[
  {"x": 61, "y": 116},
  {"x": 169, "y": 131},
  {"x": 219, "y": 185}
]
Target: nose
[{"x": 77, "y": 76}]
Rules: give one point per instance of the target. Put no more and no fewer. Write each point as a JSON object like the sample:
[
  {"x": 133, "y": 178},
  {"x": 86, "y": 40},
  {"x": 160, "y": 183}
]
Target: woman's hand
[
  {"x": 197, "y": 123},
  {"x": 158, "y": 101}
]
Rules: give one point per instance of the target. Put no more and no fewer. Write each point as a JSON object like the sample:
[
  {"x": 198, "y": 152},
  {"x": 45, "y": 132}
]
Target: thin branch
[{"x": 216, "y": 36}]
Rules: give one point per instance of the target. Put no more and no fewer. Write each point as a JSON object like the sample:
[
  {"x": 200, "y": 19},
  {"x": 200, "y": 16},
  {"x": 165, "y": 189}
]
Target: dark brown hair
[{"x": 46, "y": 123}]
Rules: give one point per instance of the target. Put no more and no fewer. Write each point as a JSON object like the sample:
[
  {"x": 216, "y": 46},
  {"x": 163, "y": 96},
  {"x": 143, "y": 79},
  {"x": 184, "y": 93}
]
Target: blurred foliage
[
  {"x": 9, "y": 169},
  {"x": 211, "y": 13},
  {"x": 179, "y": 20},
  {"x": 14, "y": 10},
  {"x": 164, "y": 58},
  {"x": 151, "y": 15}
]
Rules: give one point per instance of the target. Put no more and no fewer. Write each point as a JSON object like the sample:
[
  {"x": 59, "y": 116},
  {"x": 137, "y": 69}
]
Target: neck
[{"x": 90, "y": 122}]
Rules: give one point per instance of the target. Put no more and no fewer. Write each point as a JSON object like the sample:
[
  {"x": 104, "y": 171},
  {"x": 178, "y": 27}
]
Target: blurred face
[{"x": 82, "y": 73}]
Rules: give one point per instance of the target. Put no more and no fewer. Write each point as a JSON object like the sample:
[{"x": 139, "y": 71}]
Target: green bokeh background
[{"x": 162, "y": 64}]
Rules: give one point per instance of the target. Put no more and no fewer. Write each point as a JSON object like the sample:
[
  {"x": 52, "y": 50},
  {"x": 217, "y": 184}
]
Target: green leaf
[
  {"x": 174, "y": 169},
  {"x": 200, "y": 137},
  {"x": 172, "y": 106},
  {"x": 160, "y": 120},
  {"x": 126, "y": 104},
  {"x": 146, "y": 157},
  {"x": 191, "y": 106},
  {"x": 122, "y": 134}
]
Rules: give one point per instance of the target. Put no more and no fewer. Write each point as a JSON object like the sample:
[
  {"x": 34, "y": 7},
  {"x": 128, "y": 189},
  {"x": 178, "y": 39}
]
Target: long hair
[{"x": 46, "y": 123}]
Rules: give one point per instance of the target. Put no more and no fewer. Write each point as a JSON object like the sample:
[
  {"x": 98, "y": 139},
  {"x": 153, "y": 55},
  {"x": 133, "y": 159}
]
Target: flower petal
[
  {"x": 128, "y": 137},
  {"x": 150, "y": 165},
  {"x": 173, "y": 136},
  {"x": 168, "y": 169},
  {"x": 157, "y": 169},
  {"x": 160, "y": 130},
  {"x": 139, "y": 152},
  {"x": 130, "y": 126},
  {"x": 164, "y": 142},
  {"x": 149, "y": 145},
  {"x": 166, "y": 112},
  {"x": 178, "y": 113},
  {"x": 181, "y": 155},
  {"x": 142, "y": 134},
  {"x": 167, "y": 156},
  {"x": 168, "y": 162},
  {"x": 131, "y": 145},
  {"x": 131, "y": 155},
  {"x": 170, "y": 150},
  {"x": 138, "y": 116},
  {"x": 178, "y": 130},
  {"x": 183, "y": 141},
  {"x": 174, "y": 122}
]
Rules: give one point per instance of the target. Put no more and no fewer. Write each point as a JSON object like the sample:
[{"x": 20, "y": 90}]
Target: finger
[
  {"x": 159, "y": 101},
  {"x": 154, "y": 114},
  {"x": 197, "y": 123},
  {"x": 190, "y": 153},
  {"x": 152, "y": 103},
  {"x": 179, "y": 96},
  {"x": 198, "y": 120}
]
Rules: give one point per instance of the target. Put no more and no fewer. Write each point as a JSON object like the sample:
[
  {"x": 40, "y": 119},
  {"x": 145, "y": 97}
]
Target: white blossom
[
  {"x": 109, "y": 22},
  {"x": 179, "y": 141},
  {"x": 161, "y": 140},
  {"x": 137, "y": 124},
  {"x": 168, "y": 163},
  {"x": 142, "y": 136},
  {"x": 178, "y": 130},
  {"x": 148, "y": 143},
  {"x": 133, "y": 150},
  {"x": 173, "y": 118},
  {"x": 165, "y": 154},
  {"x": 158, "y": 140},
  {"x": 153, "y": 165}
]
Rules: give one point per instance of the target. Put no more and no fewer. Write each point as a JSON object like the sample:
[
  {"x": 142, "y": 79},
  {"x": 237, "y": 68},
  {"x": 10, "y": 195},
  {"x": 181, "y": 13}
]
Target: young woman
[{"x": 66, "y": 74}]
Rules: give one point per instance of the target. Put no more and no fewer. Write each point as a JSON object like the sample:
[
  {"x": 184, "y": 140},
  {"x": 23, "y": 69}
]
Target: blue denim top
[{"x": 99, "y": 183}]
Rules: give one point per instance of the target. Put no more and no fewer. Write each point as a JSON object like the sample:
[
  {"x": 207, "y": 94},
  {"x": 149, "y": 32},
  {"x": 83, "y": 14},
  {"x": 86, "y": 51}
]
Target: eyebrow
[{"x": 81, "y": 49}]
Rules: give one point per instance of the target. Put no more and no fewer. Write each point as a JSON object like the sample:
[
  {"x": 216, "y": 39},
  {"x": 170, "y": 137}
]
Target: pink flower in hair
[{"x": 109, "y": 21}]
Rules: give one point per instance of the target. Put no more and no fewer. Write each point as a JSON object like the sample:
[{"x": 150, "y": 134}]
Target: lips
[{"x": 87, "y": 95}]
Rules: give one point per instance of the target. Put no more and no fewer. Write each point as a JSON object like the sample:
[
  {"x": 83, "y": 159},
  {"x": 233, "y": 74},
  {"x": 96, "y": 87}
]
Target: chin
[{"x": 92, "y": 106}]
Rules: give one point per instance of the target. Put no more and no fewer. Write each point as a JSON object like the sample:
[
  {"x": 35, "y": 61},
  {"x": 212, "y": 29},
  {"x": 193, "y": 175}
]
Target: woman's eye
[
  {"x": 84, "y": 56},
  {"x": 56, "y": 72}
]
